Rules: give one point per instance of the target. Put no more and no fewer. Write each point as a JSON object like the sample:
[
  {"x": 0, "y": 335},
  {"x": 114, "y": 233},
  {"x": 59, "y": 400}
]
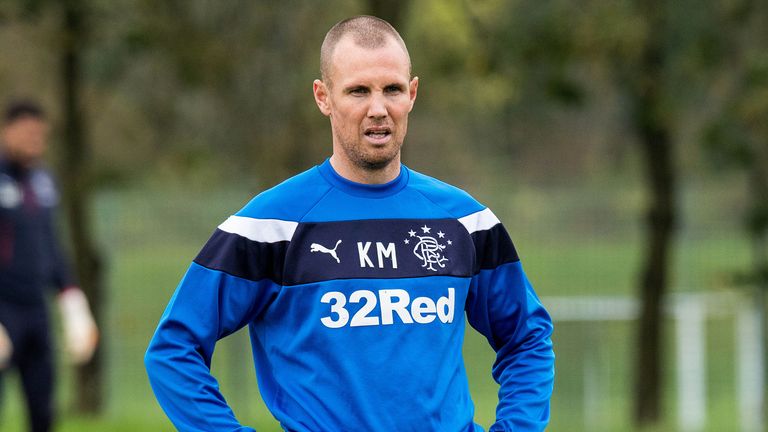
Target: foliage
[{"x": 516, "y": 98}]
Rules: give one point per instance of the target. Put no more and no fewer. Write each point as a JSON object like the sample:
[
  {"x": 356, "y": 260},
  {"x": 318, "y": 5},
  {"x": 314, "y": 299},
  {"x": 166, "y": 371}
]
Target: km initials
[{"x": 382, "y": 252}]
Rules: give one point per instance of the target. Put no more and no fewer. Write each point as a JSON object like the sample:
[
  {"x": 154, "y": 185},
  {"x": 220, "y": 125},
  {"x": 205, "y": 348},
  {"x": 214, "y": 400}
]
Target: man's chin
[
  {"x": 377, "y": 162},
  {"x": 375, "y": 165},
  {"x": 372, "y": 158}
]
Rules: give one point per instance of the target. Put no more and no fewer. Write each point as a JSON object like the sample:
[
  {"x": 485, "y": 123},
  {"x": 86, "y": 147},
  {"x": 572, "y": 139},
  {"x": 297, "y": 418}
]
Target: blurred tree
[
  {"x": 644, "y": 81},
  {"x": 78, "y": 190},
  {"x": 738, "y": 136}
]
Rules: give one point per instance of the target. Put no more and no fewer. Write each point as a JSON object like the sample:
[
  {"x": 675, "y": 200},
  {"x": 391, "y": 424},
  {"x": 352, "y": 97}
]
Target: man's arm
[
  {"x": 207, "y": 306},
  {"x": 81, "y": 335},
  {"x": 503, "y": 306},
  {"x": 59, "y": 266}
]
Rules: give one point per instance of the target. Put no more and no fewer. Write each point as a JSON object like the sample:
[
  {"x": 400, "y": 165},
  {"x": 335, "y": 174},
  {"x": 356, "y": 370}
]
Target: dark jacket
[{"x": 30, "y": 258}]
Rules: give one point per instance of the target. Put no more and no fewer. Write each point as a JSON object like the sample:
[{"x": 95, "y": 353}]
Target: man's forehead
[
  {"x": 349, "y": 42},
  {"x": 349, "y": 57}
]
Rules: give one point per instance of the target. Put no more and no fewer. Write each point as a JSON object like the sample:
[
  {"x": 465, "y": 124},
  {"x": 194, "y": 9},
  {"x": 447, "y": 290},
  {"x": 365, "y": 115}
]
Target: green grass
[{"x": 573, "y": 241}]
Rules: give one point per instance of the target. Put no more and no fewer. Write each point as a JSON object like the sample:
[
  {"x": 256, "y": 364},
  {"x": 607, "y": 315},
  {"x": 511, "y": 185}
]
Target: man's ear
[
  {"x": 413, "y": 88},
  {"x": 321, "y": 96}
]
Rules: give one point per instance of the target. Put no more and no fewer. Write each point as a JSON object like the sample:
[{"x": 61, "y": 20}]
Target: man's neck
[
  {"x": 366, "y": 176},
  {"x": 18, "y": 164}
]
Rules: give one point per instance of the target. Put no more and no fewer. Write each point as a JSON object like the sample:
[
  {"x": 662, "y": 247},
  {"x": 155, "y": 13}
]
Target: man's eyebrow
[
  {"x": 396, "y": 85},
  {"x": 354, "y": 87}
]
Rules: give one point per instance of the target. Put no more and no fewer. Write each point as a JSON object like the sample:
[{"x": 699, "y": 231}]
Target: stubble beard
[{"x": 371, "y": 161}]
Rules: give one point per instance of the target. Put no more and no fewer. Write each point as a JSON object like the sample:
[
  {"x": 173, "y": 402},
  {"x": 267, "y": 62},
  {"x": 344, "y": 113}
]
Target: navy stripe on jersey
[
  {"x": 244, "y": 258},
  {"x": 380, "y": 249},
  {"x": 494, "y": 248},
  {"x": 257, "y": 249}
]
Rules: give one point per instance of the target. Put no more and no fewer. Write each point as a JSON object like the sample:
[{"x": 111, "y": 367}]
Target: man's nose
[{"x": 378, "y": 106}]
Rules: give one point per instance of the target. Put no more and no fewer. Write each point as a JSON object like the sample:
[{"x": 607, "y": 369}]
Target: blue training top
[{"x": 354, "y": 297}]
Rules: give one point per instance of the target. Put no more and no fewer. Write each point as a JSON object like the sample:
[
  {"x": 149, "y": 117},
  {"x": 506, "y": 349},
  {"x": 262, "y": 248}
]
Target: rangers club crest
[{"x": 427, "y": 248}]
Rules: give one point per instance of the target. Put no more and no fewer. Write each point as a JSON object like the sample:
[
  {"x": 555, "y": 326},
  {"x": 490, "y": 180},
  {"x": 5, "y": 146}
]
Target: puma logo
[{"x": 315, "y": 247}]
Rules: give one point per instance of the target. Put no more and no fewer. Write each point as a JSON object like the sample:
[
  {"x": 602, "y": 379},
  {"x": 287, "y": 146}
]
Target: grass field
[{"x": 573, "y": 241}]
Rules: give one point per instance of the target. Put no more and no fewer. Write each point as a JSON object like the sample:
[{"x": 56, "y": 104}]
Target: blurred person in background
[
  {"x": 31, "y": 263},
  {"x": 354, "y": 278}
]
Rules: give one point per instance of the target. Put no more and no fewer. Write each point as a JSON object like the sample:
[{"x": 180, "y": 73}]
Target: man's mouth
[{"x": 378, "y": 134}]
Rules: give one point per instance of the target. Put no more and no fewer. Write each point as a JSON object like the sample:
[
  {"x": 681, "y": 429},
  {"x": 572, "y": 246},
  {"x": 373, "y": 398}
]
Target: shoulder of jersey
[
  {"x": 4, "y": 167},
  {"x": 289, "y": 200},
  {"x": 43, "y": 173},
  {"x": 452, "y": 199},
  {"x": 5, "y": 176},
  {"x": 36, "y": 173}
]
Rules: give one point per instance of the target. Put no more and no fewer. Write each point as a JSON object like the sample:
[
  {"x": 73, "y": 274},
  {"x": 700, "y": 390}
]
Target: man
[
  {"x": 353, "y": 278},
  {"x": 30, "y": 262}
]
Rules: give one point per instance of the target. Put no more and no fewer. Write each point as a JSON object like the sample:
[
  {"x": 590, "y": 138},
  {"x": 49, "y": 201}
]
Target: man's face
[
  {"x": 24, "y": 139},
  {"x": 367, "y": 96}
]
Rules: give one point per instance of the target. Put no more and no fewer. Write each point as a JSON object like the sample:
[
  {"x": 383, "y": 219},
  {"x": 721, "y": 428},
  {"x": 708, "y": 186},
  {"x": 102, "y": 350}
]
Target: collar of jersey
[
  {"x": 13, "y": 169},
  {"x": 361, "y": 189}
]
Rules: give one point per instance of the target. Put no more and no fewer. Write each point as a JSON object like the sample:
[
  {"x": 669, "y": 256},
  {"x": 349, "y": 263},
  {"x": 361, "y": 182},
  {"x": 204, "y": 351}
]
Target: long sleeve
[
  {"x": 503, "y": 306},
  {"x": 54, "y": 262},
  {"x": 210, "y": 303},
  {"x": 61, "y": 276}
]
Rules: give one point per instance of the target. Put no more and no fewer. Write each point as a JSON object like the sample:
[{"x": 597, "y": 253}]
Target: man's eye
[
  {"x": 358, "y": 91},
  {"x": 393, "y": 89}
]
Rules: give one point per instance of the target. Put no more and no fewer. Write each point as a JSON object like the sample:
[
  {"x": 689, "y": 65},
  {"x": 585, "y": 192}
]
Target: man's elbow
[{"x": 153, "y": 360}]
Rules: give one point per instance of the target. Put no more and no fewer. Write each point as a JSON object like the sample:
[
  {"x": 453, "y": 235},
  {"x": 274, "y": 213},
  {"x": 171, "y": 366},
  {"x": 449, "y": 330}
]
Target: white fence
[{"x": 690, "y": 312}]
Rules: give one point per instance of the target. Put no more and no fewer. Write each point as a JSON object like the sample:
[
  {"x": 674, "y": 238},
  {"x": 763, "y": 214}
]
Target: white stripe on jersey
[
  {"x": 260, "y": 230},
  {"x": 480, "y": 221}
]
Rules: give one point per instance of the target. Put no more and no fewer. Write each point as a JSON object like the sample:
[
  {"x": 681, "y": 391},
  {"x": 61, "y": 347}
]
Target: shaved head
[{"x": 366, "y": 31}]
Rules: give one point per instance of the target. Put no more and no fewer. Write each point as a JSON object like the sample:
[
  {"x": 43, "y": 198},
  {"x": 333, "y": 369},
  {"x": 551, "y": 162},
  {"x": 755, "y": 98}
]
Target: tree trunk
[
  {"x": 654, "y": 281},
  {"x": 657, "y": 151},
  {"x": 77, "y": 193}
]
